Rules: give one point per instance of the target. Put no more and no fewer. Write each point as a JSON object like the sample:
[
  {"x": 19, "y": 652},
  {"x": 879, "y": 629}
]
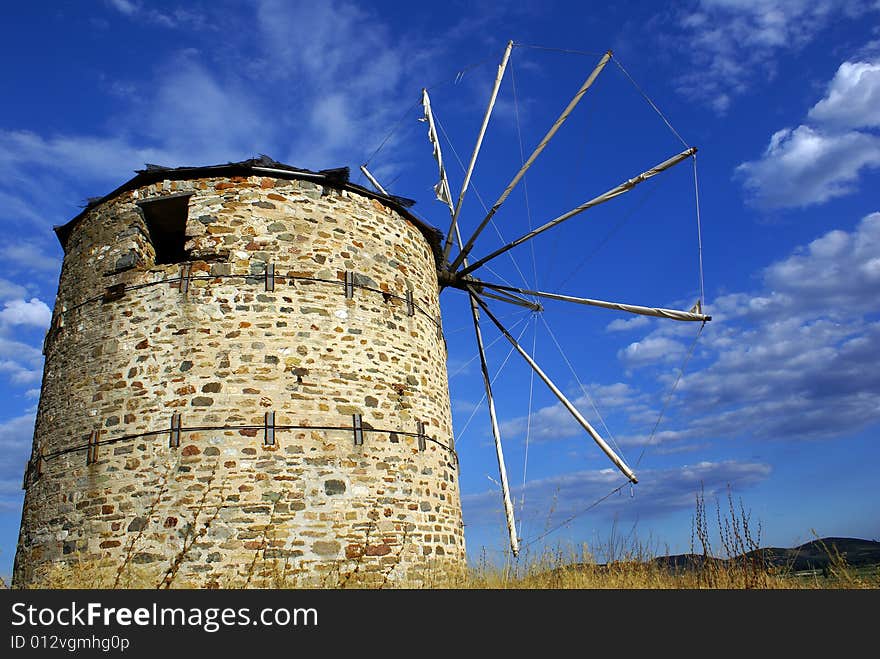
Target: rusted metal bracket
[
  {"x": 270, "y": 277},
  {"x": 358, "y": 427},
  {"x": 94, "y": 440},
  {"x": 349, "y": 284},
  {"x": 185, "y": 273},
  {"x": 174, "y": 437},
  {"x": 420, "y": 431},
  {"x": 269, "y": 429},
  {"x": 114, "y": 292}
]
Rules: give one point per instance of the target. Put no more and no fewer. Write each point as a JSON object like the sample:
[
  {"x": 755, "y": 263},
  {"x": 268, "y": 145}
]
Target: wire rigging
[
  {"x": 480, "y": 199},
  {"x": 650, "y": 102},
  {"x": 609, "y": 235},
  {"x": 522, "y": 495},
  {"x": 455, "y": 79},
  {"x": 525, "y": 183},
  {"x": 488, "y": 345},
  {"x": 574, "y": 516},
  {"x": 584, "y": 390},
  {"x": 392, "y": 131},
  {"x": 558, "y": 50},
  {"x": 522, "y": 159},
  {"x": 492, "y": 382},
  {"x": 668, "y": 398},
  {"x": 699, "y": 232}
]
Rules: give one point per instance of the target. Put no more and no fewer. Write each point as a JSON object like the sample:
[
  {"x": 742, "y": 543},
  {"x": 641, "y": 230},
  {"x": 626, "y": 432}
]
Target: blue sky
[{"x": 781, "y": 399}]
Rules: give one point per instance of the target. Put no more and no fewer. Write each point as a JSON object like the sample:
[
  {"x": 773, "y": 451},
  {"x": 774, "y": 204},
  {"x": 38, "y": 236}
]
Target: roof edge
[{"x": 263, "y": 166}]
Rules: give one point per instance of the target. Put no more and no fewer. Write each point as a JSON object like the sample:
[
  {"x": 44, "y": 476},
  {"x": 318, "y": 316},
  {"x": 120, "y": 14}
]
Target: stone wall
[{"x": 213, "y": 345}]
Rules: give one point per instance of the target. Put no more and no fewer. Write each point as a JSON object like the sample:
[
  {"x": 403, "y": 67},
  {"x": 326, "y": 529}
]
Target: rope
[
  {"x": 608, "y": 236},
  {"x": 699, "y": 230},
  {"x": 522, "y": 159},
  {"x": 574, "y": 516},
  {"x": 491, "y": 382},
  {"x": 482, "y": 203},
  {"x": 460, "y": 73},
  {"x": 458, "y": 76},
  {"x": 666, "y": 402},
  {"x": 558, "y": 50},
  {"x": 522, "y": 498},
  {"x": 470, "y": 326},
  {"x": 584, "y": 390},
  {"x": 571, "y": 518},
  {"x": 391, "y": 132},
  {"x": 488, "y": 345},
  {"x": 650, "y": 102}
]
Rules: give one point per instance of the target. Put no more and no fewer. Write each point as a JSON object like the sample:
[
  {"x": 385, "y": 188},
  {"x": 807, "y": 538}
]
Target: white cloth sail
[{"x": 441, "y": 189}]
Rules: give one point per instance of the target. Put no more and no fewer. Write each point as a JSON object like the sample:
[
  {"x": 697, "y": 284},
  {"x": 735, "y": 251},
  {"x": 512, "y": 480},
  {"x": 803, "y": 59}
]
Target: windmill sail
[{"x": 455, "y": 273}]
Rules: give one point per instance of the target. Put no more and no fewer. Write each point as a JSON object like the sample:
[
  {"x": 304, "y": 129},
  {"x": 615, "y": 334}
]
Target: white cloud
[
  {"x": 650, "y": 350},
  {"x": 21, "y": 363},
  {"x": 18, "y": 374},
  {"x": 125, "y": 6},
  {"x": 20, "y": 312},
  {"x": 220, "y": 116},
  {"x": 733, "y": 42},
  {"x": 319, "y": 86},
  {"x": 627, "y": 324},
  {"x": 811, "y": 164},
  {"x": 13, "y": 349},
  {"x": 173, "y": 18},
  {"x": 92, "y": 157},
  {"x": 9, "y": 289},
  {"x": 853, "y": 98},
  {"x": 16, "y": 437},
  {"x": 789, "y": 360},
  {"x": 838, "y": 272},
  {"x": 14, "y": 207},
  {"x": 223, "y": 123},
  {"x": 346, "y": 57},
  {"x": 794, "y": 365},
  {"x": 804, "y": 166},
  {"x": 554, "y": 422},
  {"x": 30, "y": 256}
]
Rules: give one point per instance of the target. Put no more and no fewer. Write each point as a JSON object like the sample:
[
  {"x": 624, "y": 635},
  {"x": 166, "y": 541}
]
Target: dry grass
[{"x": 727, "y": 556}]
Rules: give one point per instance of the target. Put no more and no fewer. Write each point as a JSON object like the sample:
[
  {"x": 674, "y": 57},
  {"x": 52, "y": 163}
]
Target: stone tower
[{"x": 245, "y": 369}]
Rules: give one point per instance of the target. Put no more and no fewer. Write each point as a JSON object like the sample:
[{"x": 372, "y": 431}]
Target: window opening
[{"x": 166, "y": 221}]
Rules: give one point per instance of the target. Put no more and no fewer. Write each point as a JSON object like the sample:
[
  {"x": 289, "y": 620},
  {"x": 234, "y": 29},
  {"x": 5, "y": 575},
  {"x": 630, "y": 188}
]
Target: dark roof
[{"x": 336, "y": 178}]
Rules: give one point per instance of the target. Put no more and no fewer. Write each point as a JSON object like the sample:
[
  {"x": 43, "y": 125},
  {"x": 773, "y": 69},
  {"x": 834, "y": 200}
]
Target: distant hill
[{"x": 814, "y": 555}]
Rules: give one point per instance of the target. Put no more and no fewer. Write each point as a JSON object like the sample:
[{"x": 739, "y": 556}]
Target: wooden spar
[
  {"x": 624, "y": 187},
  {"x": 618, "y": 462},
  {"x": 659, "y": 312},
  {"x": 372, "y": 180},
  {"x": 482, "y": 133},
  {"x": 538, "y": 149},
  {"x": 496, "y": 431},
  {"x": 510, "y": 298}
]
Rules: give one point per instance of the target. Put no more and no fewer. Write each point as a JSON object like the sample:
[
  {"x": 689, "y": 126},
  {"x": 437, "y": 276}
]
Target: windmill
[{"x": 456, "y": 269}]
